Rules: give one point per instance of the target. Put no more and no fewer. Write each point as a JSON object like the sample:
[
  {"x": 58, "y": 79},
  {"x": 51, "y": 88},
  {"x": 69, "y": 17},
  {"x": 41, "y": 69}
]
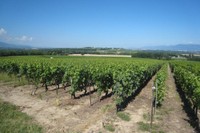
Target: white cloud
[
  {"x": 16, "y": 39},
  {"x": 24, "y": 38},
  {"x": 2, "y": 31}
]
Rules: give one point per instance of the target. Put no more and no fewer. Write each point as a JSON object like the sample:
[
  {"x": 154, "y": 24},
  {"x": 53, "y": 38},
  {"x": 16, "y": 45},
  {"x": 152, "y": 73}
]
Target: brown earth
[{"x": 56, "y": 113}]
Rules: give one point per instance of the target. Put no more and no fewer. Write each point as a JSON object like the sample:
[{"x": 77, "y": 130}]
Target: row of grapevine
[
  {"x": 127, "y": 82},
  {"x": 160, "y": 79},
  {"x": 119, "y": 76},
  {"x": 189, "y": 82},
  {"x": 191, "y": 66}
]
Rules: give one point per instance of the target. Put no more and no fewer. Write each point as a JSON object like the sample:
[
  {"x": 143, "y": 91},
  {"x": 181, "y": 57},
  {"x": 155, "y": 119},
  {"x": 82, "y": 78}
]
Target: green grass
[
  {"x": 12, "y": 80},
  {"x": 146, "y": 127},
  {"x": 107, "y": 107},
  {"x": 12, "y": 120},
  {"x": 124, "y": 116},
  {"x": 4, "y": 77},
  {"x": 110, "y": 127},
  {"x": 146, "y": 117}
]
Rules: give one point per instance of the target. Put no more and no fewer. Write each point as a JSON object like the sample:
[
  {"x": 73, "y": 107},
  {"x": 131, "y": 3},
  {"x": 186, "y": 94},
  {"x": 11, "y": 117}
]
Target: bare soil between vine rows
[
  {"x": 174, "y": 118},
  {"x": 60, "y": 113}
]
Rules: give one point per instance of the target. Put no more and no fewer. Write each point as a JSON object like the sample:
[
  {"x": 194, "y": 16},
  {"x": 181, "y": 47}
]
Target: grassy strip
[
  {"x": 4, "y": 77},
  {"x": 124, "y": 116},
  {"x": 11, "y": 79},
  {"x": 12, "y": 120}
]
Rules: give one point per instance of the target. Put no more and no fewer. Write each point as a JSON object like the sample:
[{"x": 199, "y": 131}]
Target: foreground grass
[
  {"x": 12, "y": 80},
  {"x": 4, "y": 77},
  {"x": 14, "y": 121}
]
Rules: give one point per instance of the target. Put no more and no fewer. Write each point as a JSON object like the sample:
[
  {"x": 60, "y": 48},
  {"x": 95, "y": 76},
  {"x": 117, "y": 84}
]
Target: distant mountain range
[
  {"x": 4, "y": 45},
  {"x": 178, "y": 47}
]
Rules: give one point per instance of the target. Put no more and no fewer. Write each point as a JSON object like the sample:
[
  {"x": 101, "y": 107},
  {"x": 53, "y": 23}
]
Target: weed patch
[
  {"x": 109, "y": 127},
  {"x": 124, "y": 116},
  {"x": 146, "y": 127},
  {"x": 12, "y": 120}
]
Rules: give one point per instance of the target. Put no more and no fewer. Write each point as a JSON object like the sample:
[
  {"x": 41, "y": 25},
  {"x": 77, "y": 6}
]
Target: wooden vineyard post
[
  {"x": 156, "y": 88},
  {"x": 197, "y": 111},
  {"x": 99, "y": 97},
  {"x": 152, "y": 107},
  {"x": 90, "y": 95},
  {"x": 56, "y": 90}
]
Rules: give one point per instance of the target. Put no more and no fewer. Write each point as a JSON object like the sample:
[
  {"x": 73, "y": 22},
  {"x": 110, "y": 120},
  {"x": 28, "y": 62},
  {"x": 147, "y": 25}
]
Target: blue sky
[{"x": 100, "y": 23}]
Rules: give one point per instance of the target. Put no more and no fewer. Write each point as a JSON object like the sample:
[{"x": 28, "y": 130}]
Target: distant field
[{"x": 100, "y": 55}]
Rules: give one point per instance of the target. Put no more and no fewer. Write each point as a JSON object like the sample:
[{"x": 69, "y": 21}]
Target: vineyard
[
  {"x": 187, "y": 78},
  {"x": 120, "y": 77},
  {"x": 113, "y": 80}
]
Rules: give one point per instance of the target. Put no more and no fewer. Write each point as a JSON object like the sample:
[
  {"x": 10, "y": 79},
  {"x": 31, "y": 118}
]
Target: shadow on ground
[{"x": 187, "y": 107}]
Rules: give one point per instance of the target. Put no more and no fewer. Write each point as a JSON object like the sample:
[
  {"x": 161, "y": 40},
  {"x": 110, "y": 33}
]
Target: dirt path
[
  {"x": 71, "y": 116},
  {"x": 174, "y": 118},
  {"x": 49, "y": 116}
]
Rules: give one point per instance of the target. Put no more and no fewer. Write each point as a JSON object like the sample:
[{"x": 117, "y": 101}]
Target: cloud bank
[
  {"x": 5, "y": 37},
  {"x": 24, "y": 38}
]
